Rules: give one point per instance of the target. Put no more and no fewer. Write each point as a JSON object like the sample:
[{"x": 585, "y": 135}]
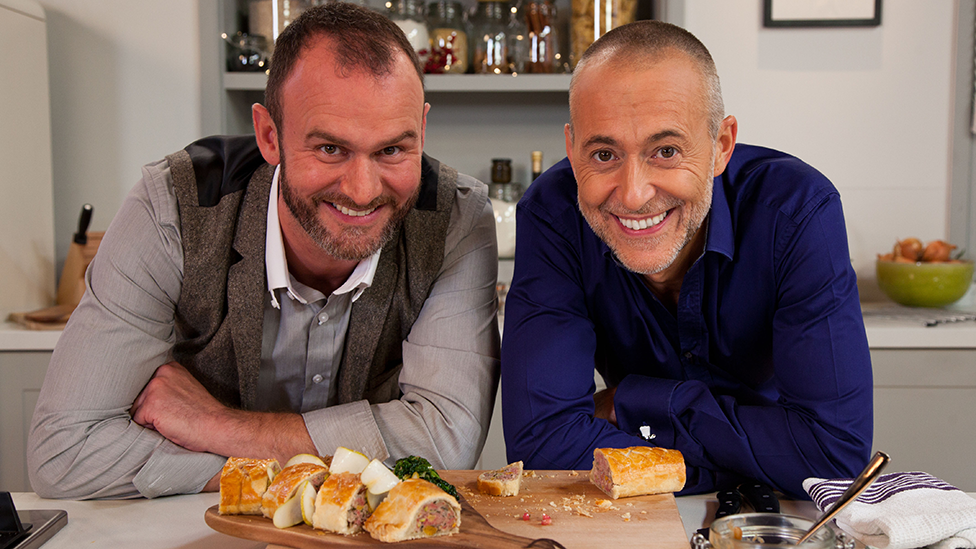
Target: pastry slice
[
  {"x": 286, "y": 484},
  {"x": 415, "y": 509},
  {"x": 243, "y": 482},
  {"x": 503, "y": 482},
  {"x": 340, "y": 505},
  {"x": 637, "y": 471}
]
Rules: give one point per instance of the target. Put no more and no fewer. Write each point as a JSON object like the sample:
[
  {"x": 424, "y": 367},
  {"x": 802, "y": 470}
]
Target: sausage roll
[
  {"x": 503, "y": 482},
  {"x": 243, "y": 482},
  {"x": 637, "y": 471},
  {"x": 340, "y": 505},
  {"x": 286, "y": 483},
  {"x": 415, "y": 509}
]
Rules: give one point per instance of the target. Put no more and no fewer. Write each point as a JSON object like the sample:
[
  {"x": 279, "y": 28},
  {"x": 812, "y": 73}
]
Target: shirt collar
[{"x": 276, "y": 265}]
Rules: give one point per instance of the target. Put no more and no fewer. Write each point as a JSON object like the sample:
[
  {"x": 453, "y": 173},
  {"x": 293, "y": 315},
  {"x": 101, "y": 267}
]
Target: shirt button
[
  {"x": 317, "y": 378},
  {"x": 688, "y": 355},
  {"x": 323, "y": 318}
]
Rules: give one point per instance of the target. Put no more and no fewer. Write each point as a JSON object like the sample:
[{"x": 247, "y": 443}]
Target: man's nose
[
  {"x": 636, "y": 187},
  {"x": 361, "y": 182}
]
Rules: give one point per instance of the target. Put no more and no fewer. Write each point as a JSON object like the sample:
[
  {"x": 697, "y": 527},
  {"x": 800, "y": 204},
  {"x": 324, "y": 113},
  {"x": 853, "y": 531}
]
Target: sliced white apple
[
  {"x": 289, "y": 513},
  {"x": 308, "y": 494},
  {"x": 378, "y": 478},
  {"x": 305, "y": 458},
  {"x": 374, "y": 500},
  {"x": 348, "y": 461}
]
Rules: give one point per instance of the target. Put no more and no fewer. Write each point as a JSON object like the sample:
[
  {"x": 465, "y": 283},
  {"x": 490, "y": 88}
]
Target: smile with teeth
[
  {"x": 353, "y": 213},
  {"x": 640, "y": 224}
]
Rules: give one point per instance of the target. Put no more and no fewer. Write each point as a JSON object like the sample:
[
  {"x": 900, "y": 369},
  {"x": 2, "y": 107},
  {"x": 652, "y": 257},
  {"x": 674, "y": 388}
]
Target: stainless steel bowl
[{"x": 752, "y": 530}]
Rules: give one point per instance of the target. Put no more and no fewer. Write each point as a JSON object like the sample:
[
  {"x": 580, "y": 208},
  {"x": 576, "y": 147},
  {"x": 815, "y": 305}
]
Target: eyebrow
[
  {"x": 326, "y": 136},
  {"x": 607, "y": 140}
]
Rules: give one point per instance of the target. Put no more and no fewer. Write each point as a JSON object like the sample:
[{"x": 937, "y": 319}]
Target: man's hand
[
  {"x": 177, "y": 406},
  {"x": 604, "y": 405}
]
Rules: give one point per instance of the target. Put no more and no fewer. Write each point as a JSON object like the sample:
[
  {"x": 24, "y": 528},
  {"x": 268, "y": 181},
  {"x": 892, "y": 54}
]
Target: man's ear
[
  {"x": 266, "y": 134},
  {"x": 568, "y": 132},
  {"x": 423, "y": 125},
  {"x": 725, "y": 144}
]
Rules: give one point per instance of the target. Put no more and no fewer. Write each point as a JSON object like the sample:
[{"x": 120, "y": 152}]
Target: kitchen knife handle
[
  {"x": 729, "y": 503},
  {"x": 760, "y": 496},
  {"x": 81, "y": 237}
]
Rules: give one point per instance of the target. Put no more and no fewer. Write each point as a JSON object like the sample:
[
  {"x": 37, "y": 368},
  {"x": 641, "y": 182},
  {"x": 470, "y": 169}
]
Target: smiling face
[
  {"x": 644, "y": 159},
  {"x": 349, "y": 152}
]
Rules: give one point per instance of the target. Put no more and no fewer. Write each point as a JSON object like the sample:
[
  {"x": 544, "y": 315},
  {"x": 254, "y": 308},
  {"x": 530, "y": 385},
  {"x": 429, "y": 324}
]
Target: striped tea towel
[{"x": 902, "y": 511}]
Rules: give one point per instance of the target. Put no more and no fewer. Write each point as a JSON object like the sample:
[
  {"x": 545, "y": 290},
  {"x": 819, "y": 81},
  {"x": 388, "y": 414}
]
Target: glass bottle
[
  {"x": 536, "y": 164},
  {"x": 503, "y": 195},
  {"x": 591, "y": 19},
  {"x": 409, "y": 16},
  {"x": 448, "y": 39},
  {"x": 490, "y": 34},
  {"x": 542, "y": 44}
]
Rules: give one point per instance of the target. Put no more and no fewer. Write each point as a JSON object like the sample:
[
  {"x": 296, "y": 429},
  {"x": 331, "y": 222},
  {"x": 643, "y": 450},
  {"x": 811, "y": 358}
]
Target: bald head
[{"x": 647, "y": 42}]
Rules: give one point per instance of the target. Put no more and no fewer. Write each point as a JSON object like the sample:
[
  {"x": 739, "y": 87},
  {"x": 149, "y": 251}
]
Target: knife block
[{"x": 72, "y": 284}]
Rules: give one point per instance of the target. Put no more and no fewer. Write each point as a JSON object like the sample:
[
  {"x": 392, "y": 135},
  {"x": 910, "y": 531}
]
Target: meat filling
[
  {"x": 600, "y": 475},
  {"x": 435, "y": 518},
  {"x": 359, "y": 512}
]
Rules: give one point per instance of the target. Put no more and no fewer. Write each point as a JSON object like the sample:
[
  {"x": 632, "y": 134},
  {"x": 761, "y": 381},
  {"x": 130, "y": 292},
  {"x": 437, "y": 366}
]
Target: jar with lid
[
  {"x": 542, "y": 52},
  {"x": 491, "y": 36},
  {"x": 448, "y": 38},
  {"x": 591, "y": 19},
  {"x": 409, "y": 16}
]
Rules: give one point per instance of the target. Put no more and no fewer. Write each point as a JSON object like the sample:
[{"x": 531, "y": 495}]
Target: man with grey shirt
[{"x": 236, "y": 308}]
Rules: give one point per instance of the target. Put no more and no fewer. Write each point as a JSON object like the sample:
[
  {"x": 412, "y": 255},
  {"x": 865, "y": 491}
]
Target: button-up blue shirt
[{"x": 763, "y": 372}]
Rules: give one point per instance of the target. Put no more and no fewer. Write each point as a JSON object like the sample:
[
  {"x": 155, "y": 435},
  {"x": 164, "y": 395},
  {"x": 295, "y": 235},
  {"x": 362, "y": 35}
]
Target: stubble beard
[
  {"x": 352, "y": 243},
  {"x": 638, "y": 257}
]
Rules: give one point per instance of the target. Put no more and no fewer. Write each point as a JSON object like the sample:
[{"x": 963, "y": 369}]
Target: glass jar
[
  {"x": 409, "y": 16},
  {"x": 542, "y": 52},
  {"x": 504, "y": 195},
  {"x": 448, "y": 39},
  {"x": 773, "y": 530},
  {"x": 490, "y": 34},
  {"x": 591, "y": 19}
]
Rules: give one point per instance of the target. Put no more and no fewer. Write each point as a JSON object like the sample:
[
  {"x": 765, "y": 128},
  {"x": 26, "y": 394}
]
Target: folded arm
[{"x": 450, "y": 360}]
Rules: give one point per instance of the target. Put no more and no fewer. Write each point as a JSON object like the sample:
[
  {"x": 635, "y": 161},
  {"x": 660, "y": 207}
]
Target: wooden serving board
[{"x": 582, "y": 516}]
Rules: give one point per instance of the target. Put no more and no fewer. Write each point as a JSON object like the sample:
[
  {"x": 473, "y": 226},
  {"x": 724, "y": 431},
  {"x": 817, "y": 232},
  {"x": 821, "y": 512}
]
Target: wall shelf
[{"x": 255, "y": 81}]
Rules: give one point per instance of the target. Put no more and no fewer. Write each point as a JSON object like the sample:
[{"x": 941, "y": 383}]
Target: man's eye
[
  {"x": 390, "y": 151},
  {"x": 667, "y": 152},
  {"x": 329, "y": 149},
  {"x": 603, "y": 156}
]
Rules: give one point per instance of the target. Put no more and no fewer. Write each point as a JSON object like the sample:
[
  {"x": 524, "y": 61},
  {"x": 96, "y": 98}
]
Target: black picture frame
[{"x": 823, "y": 19}]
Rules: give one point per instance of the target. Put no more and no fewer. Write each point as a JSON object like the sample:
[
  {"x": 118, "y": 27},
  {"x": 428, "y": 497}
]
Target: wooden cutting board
[{"x": 582, "y": 516}]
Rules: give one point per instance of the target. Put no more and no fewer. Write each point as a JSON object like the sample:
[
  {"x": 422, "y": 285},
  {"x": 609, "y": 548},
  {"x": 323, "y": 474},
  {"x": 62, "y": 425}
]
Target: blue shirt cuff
[{"x": 642, "y": 400}]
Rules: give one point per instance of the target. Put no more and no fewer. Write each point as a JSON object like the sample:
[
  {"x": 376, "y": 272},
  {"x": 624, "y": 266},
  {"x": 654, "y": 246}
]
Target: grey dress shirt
[{"x": 84, "y": 444}]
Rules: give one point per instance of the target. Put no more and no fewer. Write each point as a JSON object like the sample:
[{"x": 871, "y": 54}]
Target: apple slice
[
  {"x": 308, "y": 494},
  {"x": 378, "y": 478},
  {"x": 348, "y": 461},
  {"x": 305, "y": 458},
  {"x": 290, "y": 512}
]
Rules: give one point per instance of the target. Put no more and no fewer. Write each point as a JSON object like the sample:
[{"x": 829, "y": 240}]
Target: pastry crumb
[
  {"x": 574, "y": 473},
  {"x": 604, "y": 503},
  {"x": 626, "y": 517}
]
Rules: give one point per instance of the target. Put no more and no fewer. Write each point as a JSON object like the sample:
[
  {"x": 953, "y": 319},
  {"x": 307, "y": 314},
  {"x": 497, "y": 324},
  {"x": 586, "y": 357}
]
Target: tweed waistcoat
[{"x": 222, "y": 187}]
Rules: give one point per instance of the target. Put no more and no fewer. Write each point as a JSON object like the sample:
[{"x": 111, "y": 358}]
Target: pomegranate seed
[
  {"x": 525, "y": 516},
  {"x": 546, "y": 519}
]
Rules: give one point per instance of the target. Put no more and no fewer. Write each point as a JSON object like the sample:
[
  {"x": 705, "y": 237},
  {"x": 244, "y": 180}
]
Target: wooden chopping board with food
[{"x": 558, "y": 508}]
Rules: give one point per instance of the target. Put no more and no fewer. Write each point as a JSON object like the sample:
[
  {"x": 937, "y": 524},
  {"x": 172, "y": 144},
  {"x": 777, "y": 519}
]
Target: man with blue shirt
[{"x": 708, "y": 283}]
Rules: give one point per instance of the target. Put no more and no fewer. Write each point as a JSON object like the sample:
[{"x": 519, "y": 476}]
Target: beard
[
  {"x": 650, "y": 254},
  {"x": 350, "y": 243}
]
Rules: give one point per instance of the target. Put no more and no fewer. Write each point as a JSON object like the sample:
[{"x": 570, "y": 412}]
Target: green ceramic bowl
[{"x": 924, "y": 284}]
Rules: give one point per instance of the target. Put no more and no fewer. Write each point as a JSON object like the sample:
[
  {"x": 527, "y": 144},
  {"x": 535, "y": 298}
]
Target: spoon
[{"x": 860, "y": 484}]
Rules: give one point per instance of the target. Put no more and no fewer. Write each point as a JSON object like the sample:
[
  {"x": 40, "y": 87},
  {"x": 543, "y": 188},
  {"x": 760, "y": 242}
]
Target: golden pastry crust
[
  {"x": 342, "y": 497},
  {"x": 637, "y": 471},
  {"x": 287, "y": 482},
  {"x": 243, "y": 482},
  {"x": 502, "y": 482},
  {"x": 415, "y": 509}
]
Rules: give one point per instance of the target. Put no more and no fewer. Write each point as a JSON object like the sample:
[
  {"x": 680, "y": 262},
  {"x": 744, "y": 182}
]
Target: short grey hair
[{"x": 647, "y": 41}]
